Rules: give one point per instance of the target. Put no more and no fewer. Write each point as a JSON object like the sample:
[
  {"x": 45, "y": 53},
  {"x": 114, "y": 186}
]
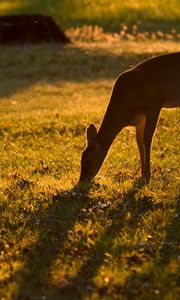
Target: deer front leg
[
  {"x": 151, "y": 122},
  {"x": 140, "y": 126}
]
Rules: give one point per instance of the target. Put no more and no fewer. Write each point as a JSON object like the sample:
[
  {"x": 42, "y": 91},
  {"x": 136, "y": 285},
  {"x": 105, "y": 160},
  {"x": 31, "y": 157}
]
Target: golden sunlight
[{"x": 6, "y": 6}]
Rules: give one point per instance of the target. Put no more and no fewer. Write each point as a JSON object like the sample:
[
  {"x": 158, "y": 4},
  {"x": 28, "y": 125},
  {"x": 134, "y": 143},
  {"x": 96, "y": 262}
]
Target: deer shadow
[
  {"x": 54, "y": 229},
  {"x": 83, "y": 285}
]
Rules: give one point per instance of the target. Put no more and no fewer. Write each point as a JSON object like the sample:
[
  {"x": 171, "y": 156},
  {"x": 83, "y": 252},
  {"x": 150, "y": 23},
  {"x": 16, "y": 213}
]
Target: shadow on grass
[
  {"x": 161, "y": 280},
  {"x": 83, "y": 284},
  {"x": 135, "y": 287},
  {"x": 54, "y": 227},
  {"x": 24, "y": 67}
]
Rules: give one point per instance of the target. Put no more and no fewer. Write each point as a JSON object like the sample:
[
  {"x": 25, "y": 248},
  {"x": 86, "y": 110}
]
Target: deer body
[{"x": 136, "y": 100}]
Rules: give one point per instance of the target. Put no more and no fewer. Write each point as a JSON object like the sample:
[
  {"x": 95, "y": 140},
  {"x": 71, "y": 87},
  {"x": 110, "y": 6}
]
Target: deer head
[{"x": 92, "y": 156}]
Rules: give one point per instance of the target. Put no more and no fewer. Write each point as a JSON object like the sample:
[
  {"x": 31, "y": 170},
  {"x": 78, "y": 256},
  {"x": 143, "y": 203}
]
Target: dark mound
[{"x": 36, "y": 28}]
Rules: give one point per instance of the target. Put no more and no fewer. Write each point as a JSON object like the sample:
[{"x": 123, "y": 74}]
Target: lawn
[
  {"x": 58, "y": 240},
  {"x": 112, "y": 239}
]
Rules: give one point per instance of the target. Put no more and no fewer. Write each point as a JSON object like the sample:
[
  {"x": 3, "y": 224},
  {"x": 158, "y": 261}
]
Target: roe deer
[{"x": 136, "y": 100}]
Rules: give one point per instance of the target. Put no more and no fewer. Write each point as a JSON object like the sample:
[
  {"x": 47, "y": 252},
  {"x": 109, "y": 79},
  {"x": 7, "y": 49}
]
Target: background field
[
  {"x": 110, "y": 240},
  {"x": 148, "y": 14}
]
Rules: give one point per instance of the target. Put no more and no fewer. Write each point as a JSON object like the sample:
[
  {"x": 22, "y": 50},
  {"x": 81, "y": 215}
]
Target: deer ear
[{"x": 91, "y": 134}]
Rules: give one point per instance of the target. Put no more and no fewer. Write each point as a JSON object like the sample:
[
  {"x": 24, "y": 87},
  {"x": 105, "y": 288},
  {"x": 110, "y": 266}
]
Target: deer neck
[{"x": 110, "y": 127}]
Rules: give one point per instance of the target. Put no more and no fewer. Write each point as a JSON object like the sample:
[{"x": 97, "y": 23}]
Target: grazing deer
[{"x": 136, "y": 100}]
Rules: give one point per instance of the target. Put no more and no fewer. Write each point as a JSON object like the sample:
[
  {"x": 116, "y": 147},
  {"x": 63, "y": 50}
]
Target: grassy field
[
  {"x": 111, "y": 240},
  {"x": 150, "y": 15}
]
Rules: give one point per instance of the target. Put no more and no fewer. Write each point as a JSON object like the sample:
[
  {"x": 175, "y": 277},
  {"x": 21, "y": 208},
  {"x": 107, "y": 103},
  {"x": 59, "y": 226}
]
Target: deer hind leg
[
  {"x": 140, "y": 126},
  {"x": 151, "y": 122}
]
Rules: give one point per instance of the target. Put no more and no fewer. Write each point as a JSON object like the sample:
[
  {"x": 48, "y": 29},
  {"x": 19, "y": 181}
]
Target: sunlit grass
[
  {"x": 6, "y": 6},
  {"x": 60, "y": 241}
]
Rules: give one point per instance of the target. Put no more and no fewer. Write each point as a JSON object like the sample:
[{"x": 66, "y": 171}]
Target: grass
[
  {"x": 58, "y": 240},
  {"x": 151, "y": 15}
]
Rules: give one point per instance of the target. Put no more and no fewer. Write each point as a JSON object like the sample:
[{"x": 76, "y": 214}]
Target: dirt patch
[{"x": 25, "y": 28}]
